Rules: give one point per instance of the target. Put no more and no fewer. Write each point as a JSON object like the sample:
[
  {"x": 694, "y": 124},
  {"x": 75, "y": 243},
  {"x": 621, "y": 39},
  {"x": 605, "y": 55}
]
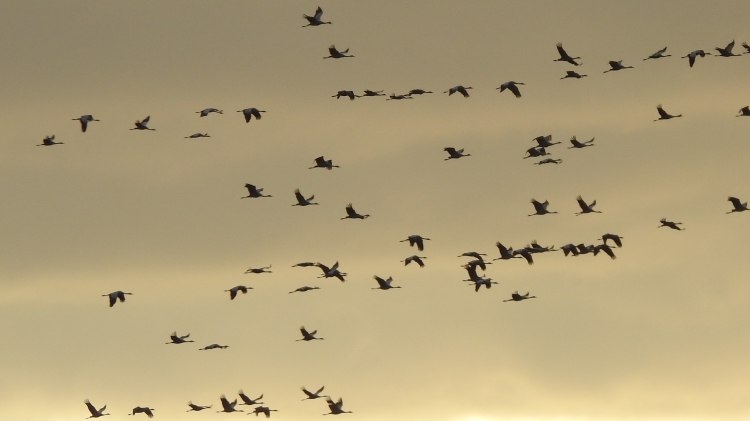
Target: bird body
[
  {"x": 454, "y": 153},
  {"x": 658, "y": 54},
  {"x": 194, "y": 407},
  {"x": 617, "y": 65},
  {"x": 95, "y": 413},
  {"x": 586, "y": 207},
  {"x": 332, "y": 272},
  {"x": 228, "y": 406},
  {"x": 564, "y": 56},
  {"x": 571, "y": 74},
  {"x": 142, "y": 124},
  {"x": 578, "y": 144},
  {"x": 336, "y": 407},
  {"x": 352, "y": 214},
  {"x": 234, "y": 290},
  {"x": 311, "y": 395},
  {"x": 511, "y": 86},
  {"x": 663, "y": 115},
  {"x": 463, "y": 90},
  {"x": 254, "y": 192},
  {"x": 197, "y": 135},
  {"x": 247, "y": 400},
  {"x": 535, "y": 151},
  {"x": 321, "y": 162},
  {"x": 213, "y": 346},
  {"x": 727, "y": 51},
  {"x": 669, "y": 224},
  {"x": 548, "y": 161},
  {"x": 348, "y": 94},
  {"x": 737, "y": 205},
  {"x": 263, "y": 410},
  {"x": 308, "y": 336},
  {"x": 384, "y": 284},
  {"x": 335, "y": 53},
  {"x": 263, "y": 269},
  {"x": 416, "y": 259},
  {"x": 417, "y": 240},
  {"x": 143, "y": 410},
  {"x": 540, "y": 207},
  {"x": 50, "y": 141},
  {"x": 304, "y": 289},
  {"x": 518, "y": 297},
  {"x": 744, "y": 111},
  {"x": 116, "y": 295},
  {"x": 176, "y": 339},
  {"x": 695, "y": 54},
  {"x": 301, "y": 201},
  {"x": 315, "y": 20},
  {"x": 85, "y": 120},
  {"x": 418, "y": 92},
  {"x": 251, "y": 112},
  {"x": 206, "y": 111},
  {"x": 612, "y": 237}
]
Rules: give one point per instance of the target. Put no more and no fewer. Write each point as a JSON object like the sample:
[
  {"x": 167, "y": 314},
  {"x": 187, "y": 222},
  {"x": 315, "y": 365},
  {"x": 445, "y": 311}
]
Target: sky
[{"x": 657, "y": 333}]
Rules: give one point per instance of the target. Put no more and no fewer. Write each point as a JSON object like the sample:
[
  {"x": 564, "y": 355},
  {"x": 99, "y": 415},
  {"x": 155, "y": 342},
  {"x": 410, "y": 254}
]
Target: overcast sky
[{"x": 658, "y": 333}]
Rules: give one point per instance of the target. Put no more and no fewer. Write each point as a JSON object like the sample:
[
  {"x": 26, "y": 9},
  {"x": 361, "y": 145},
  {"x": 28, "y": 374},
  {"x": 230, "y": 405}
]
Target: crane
[
  {"x": 263, "y": 269},
  {"x": 251, "y": 112},
  {"x": 617, "y": 65},
  {"x": 234, "y": 290},
  {"x": 544, "y": 141},
  {"x": 578, "y": 144},
  {"x": 176, "y": 339},
  {"x": 463, "y": 90},
  {"x": 564, "y": 56},
  {"x": 85, "y": 120},
  {"x": 737, "y": 205},
  {"x": 670, "y": 224},
  {"x": 301, "y": 201},
  {"x": 606, "y": 249},
  {"x": 336, "y": 407},
  {"x": 691, "y": 56},
  {"x": 321, "y": 162},
  {"x": 476, "y": 279},
  {"x": 352, "y": 214},
  {"x": 349, "y": 94},
  {"x": 143, "y": 410},
  {"x": 398, "y": 97},
  {"x": 418, "y": 92},
  {"x": 246, "y": 400},
  {"x": 416, "y": 239},
  {"x": 727, "y": 51},
  {"x": 213, "y": 346},
  {"x": 663, "y": 115},
  {"x": 197, "y": 408},
  {"x": 206, "y": 111},
  {"x": 572, "y": 74},
  {"x": 614, "y": 238},
  {"x": 454, "y": 153},
  {"x": 254, "y": 192},
  {"x": 518, "y": 297},
  {"x": 334, "y": 53},
  {"x": 311, "y": 395},
  {"x": 304, "y": 289},
  {"x": 332, "y": 272},
  {"x": 50, "y": 141},
  {"x": 116, "y": 295},
  {"x": 384, "y": 284},
  {"x": 228, "y": 406},
  {"x": 744, "y": 111},
  {"x": 586, "y": 207},
  {"x": 658, "y": 54},
  {"x": 95, "y": 413},
  {"x": 369, "y": 92},
  {"x": 197, "y": 136},
  {"x": 142, "y": 124},
  {"x": 511, "y": 86},
  {"x": 263, "y": 410},
  {"x": 540, "y": 207},
  {"x": 548, "y": 161},
  {"x": 308, "y": 336},
  {"x": 315, "y": 20},
  {"x": 507, "y": 253},
  {"x": 416, "y": 259}
]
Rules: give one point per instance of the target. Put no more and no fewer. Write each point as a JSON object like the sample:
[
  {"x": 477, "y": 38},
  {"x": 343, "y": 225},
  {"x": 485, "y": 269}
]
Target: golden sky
[{"x": 658, "y": 333}]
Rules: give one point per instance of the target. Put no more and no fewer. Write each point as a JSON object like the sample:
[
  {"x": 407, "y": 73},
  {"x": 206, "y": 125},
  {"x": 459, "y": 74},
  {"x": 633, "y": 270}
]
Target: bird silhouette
[
  {"x": 254, "y": 192},
  {"x": 310, "y": 395},
  {"x": 548, "y": 161},
  {"x": 197, "y": 136},
  {"x": 348, "y": 94},
  {"x": 301, "y": 201},
  {"x": 571, "y": 74},
  {"x": 194, "y": 407},
  {"x": 727, "y": 51},
  {"x": 544, "y": 141},
  {"x": 463, "y": 90},
  {"x": 234, "y": 290},
  {"x": 95, "y": 413},
  {"x": 540, "y": 207},
  {"x": 176, "y": 339},
  {"x": 658, "y": 54},
  {"x": 249, "y": 113},
  {"x": 321, "y": 162},
  {"x": 336, "y": 408},
  {"x": 213, "y": 346},
  {"x": 606, "y": 249},
  {"x": 737, "y": 205},
  {"x": 535, "y": 152},
  {"x": 116, "y": 295},
  {"x": 304, "y": 289},
  {"x": 744, "y": 111},
  {"x": 670, "y": 224},
  {"x": 206, "y": 111},
  {"x": 393, "y": 97},
  {"x": 578, "y": 144},
  {"x": 454, "y": 153},
  {"x": 315, "y": 20},
  {"x": 617, "y": 65},
  {"x": 262, "y": 410},
  {"x": 352, "y": 214},
  {"x": 416, "y": 259},
  {"x": 416, "y": 239},
  {"x": 518, "y": 297},
  {"x": 263, "y": 269},
  {"x": 418, "y": 92},
  {"x": 228, "y": 406},
  {"x": 334, "y": 53},
  {"x": 308, "y": 336},
  {"x": 612, "y": 237},
  {"x": 564, "y": 56},
  {"x": 369, "y": 92},
  {"x": 332, "y": 272},
  {"x": 50, "y": 141},
  {"x": 511, "y": 86},
  {"x": 85, "y": 120},
  {"x": 143, "y": 410},
  {"x": 586, "y": 207},
  {"x": 246, "y": 400},
  {"x": 663, "y": 115},
  {"x": 384, "y": 284},
  {"x": 694, "y": 54},
  {"x": 142, "y": 124}
]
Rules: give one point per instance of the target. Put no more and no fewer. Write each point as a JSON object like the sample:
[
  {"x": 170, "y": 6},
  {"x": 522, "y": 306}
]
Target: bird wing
[
  {"x": 382, "y": 282},
  {"x": 318, "y": 13},
  {"x": 91, "y": 408},
  {"x": 333, "y": 51},
  {"x": 298, "y": 195},
  {"x": 662, "y": 113},
  {"x": 582, "y": 203},
  {"x": 350, "y": 211}
]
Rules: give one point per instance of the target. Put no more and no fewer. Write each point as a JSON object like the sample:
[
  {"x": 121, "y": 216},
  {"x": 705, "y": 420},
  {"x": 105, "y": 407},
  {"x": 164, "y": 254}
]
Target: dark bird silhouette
[
  {"x": 234, "y": 290},
  {"x": 384, "y": 284},
  {"x": 416, "y": 259},
  {"x": 540, "y": 207},
  {"x": 454, "y": 153},
  {"x": 197, "y": 136},
  {"x": 476, "y": 279},
  {"x": 334, "y": 53},
  {"x": 308, "y": 336},
  {"x": 206, "y": 111},
  {"x": 658, "y": 54},
  {"x": 535, "y": 152},
  {"x": 373, "y": 93},
  {"x": 416, "y": 239},
  {"x": 352, "y": 214},
  {"x": 263, "y": 410},
  {"x": 249, "y": 113},
  {"x": 50, "y": 141},
  {"x": 571, "y": 74},
  {"x": 321, "y": 162},
  {"x": 194, "y": 407},
  {"x": 507, "y": 253},
  {"x": 254, "y": 192},
  {"x": 332, "y": 272},
  {"x": 578, "y": 144},
  {"x": 246, "y": 400},
  {"x": 398, "y": 97},
  {"x": 95, "y": 413},
  {"x": 564, "y": 56},
  {"x": 744, "y": 111},
  {"x": 737, "y": 205},
  {"x": 612, "y": 237},
  {"x": 586, "y": 207},
  {"x": 747, "y": 47},
  {"x": 535, "y": 247},
  {"x": 301, "y": 201},
  {"x": 336, "y": 407},
  {"x": 670, "y": 224},
  {"x": 511, "y": 86},
  {"x": 85, "y": 120},
  {"x": 606, "y": 249},
  {"x": 569, "y": 249},
  {"x": 474, "y": 254},
  {"x": 228, "y": 406},
  {"x": 142, "y": 124},
  {"x": 548, "y": 161},
  {"x": 263, "y": 269},
  {"x": 617, "y": 65},
  {"x": 694, "y": 54},
  {"x": 463, "y": 90},
  {"x": 116, "y": 295},
  {"x": 418, "y": 92},
  {"x": 544, "y": 141},
  {"x": 143, "y": 410},
  {"x": 727, "y": 51},
  {"x": 311, "y": 395},
  {"x": 663, "y": 115},
  {"x": 305, "y": 264},
  {"x": 178, "y": 339},
  {"x": 213, "y": 346},
  {"x": 518, "y": 297},
  {"x": 315, "y": 20},
  {"x": 304, "y": 289},
  {"x": 348, "y": 94},
  {"x": 478, "y": 263}
]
